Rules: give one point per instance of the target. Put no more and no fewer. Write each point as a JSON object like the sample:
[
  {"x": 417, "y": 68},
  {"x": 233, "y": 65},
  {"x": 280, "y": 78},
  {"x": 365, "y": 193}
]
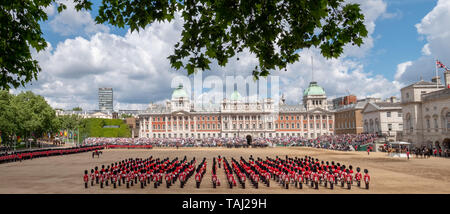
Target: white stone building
[
  {"x": 383, "y": 118},
  {"x": 235, "y": 117},
  {"x": 426, "y": 108}
]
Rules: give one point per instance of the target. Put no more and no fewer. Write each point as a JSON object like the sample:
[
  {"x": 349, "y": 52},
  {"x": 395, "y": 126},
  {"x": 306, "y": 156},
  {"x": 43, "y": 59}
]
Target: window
[
  {"x": 298, "y": 125},
  {"x": 318, "y": 125},
  {"x": 311, "y": 125},
  {"x": 304, "y": 125},
  {"x": 400, "y": 114},
  {"x": 292, "y": 126},
  {"x": 324, "y": 125},
  {"x": 198, "y": 126},
  {"x": 388, "y": 114},
  {"x": 331, "y": 125},
  {"x": 428, "y": 123},
  {"x": 390, "y": 127},
  {"x": 209, "y": 126},
  {"x": 436, "y": 123},
  {"x": 447, "y": 117}
]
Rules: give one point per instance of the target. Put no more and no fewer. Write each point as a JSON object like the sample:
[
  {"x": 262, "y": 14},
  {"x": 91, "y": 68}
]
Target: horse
[{"x": 97, "y": 153}]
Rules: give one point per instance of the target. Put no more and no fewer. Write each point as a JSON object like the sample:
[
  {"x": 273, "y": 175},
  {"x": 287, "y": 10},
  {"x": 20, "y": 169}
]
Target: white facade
[
  {"x": 426, "y": 113},
  {"x": 383, "y": 118},
  {"x": 236, "y": 118}
]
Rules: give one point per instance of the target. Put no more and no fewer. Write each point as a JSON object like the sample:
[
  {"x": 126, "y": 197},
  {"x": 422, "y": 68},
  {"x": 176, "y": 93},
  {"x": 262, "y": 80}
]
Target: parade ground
[{"x": 64, "y": 174}]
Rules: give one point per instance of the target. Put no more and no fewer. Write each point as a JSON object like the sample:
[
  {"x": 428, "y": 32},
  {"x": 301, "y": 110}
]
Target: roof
[
  {"x": 179, "y": 92},
  {"x": 440, "y": 94},
  {"x": 314, "y": 89},
  {"x": 383, "y": 105},
  {"x": 423, "y": 83}
]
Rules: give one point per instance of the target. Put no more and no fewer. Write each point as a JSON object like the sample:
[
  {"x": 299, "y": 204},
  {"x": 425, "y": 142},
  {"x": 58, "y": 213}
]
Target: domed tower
[
  {"x": 314, "y": 97},
  {"x": 235, "y": 96},
  {"x": 180, "y": 99}
]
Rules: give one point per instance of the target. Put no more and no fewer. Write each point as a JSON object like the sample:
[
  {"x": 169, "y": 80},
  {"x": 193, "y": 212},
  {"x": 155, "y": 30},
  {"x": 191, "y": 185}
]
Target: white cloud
[
  {"x": 401, "y": 68},
  {"x": 433, "y": 28},
  {"x": 372, "y": 10},
  {"x": 72, "y": 22}
]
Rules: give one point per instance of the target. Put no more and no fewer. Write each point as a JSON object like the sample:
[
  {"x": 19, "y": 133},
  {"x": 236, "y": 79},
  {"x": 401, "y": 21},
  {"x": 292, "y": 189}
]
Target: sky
[{"x": 405, "y": 36}]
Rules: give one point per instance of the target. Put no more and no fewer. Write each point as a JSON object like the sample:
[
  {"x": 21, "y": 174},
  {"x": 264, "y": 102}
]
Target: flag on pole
[{"x": 440, "y": 65}]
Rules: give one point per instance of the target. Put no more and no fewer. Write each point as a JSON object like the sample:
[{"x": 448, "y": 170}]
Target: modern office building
[{"x": 105, "y": 99}]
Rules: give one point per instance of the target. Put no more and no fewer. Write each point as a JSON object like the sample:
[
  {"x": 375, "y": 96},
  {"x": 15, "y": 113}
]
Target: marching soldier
[
  {"x": 96, "y": 175},
  {"x": 128, "y": 179},
  {"x": 101, "y": 179},
  {"x": 358, "y": 176},
  {"x": 86, "y": 179},
  {"x": 142, "y": 178},
  {"x": 168, "y": 179},
  {"x": 198, "y": 179},
  {"x": 92, "y": 177},
  {"x": 366, "y": 178}
]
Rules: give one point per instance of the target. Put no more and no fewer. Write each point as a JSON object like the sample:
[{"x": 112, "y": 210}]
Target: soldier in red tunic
[
  {"x": 114, "y": 179},
  {"x": 215, "y": 180},
  {"x": 349, "y": 178},
  {"x": 142, "y": 178},
  {"x": 366, "y": 178},
  {"x": 92, "y": 177},
  {"x": 168, "y": 179},
  {"x": 128, "y": 179},
  {"x": 358, "y": 176},
  {"x": 198, "y": 179},
  {"x": 86, "y": 179},
  {"x": 96, "y": 175},
  {"x": 331, "y": 178},
  {"x": 101, "y": 178}
]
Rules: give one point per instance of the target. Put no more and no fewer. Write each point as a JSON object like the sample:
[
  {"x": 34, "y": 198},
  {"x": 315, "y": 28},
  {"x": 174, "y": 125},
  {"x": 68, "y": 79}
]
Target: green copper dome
[
  {"x": 235, "y": 96},
  {"x": 314, "y": 89},
  {"x": 179, "y": 92}
]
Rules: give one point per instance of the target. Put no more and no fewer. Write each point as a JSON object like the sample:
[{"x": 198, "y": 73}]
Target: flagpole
[{"x": 436, "y": 68}]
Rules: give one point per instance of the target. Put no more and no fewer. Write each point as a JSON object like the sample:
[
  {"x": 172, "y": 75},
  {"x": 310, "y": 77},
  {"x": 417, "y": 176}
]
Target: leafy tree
[
  {"x": 34, "y": 114},
  {"x": 274, "y": 30},
  {"x": 77, "y": 109},
  {"x": 125, "y": 116},
  {"x": 7, "y": 116}
]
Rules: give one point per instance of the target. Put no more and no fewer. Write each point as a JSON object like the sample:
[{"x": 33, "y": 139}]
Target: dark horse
[{"x": 97, "y": 153}]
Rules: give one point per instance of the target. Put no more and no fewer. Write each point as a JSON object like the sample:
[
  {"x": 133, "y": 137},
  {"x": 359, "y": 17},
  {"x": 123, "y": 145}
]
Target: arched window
[{"x": 448, "y": 120}]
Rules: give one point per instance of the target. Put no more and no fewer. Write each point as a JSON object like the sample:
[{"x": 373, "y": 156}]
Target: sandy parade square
[{"x": 64, "y": 174}]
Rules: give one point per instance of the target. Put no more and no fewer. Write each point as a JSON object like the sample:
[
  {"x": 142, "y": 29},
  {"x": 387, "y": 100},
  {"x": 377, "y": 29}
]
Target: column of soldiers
[
  {"x": 228, "y": 173},
  {"x": 29, "y": 155},
  {"x": 214, "y": 179},
  {"x": 200, "y": 172}
]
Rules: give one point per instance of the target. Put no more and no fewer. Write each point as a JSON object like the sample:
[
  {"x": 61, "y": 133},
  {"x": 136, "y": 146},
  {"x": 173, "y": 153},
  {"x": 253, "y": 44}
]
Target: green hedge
[{"x": 93, "y": 127}]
